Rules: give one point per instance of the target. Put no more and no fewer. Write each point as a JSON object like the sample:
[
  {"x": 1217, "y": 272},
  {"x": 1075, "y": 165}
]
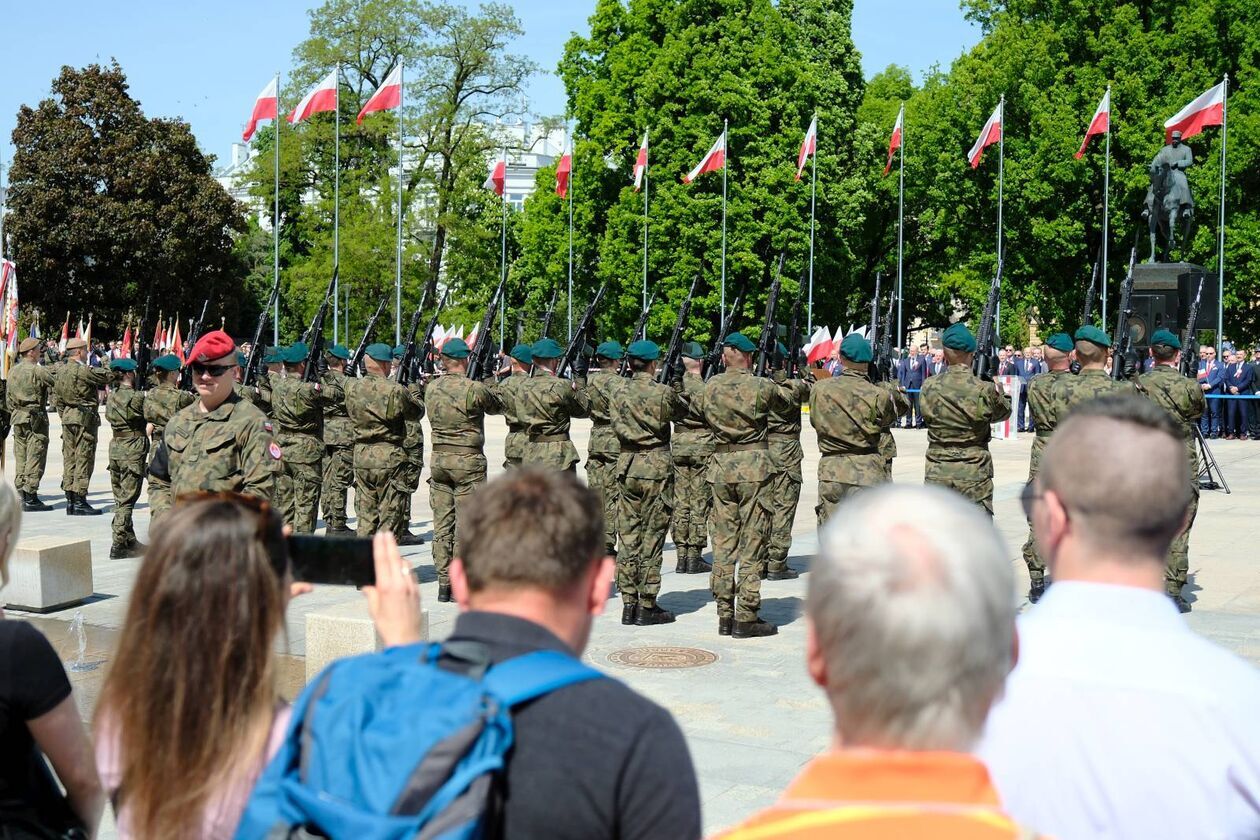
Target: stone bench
[
  {"x": 344, "y": 630},
  {"x": 48, "y": 573}
]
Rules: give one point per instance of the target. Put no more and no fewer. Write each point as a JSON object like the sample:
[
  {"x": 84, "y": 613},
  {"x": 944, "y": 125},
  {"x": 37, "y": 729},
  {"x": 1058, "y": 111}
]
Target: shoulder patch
[
  {"x": 267, "y": 426},
  {"x": 274, "y": 451}
]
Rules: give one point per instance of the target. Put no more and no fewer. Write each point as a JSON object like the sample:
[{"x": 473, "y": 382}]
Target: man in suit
[
  {"x": 1026, "y": 367},
  {"x": 1211, "y": 380},
  {"x": 1253, "y": 406},
  {"x": 1239, "y": 381},
  {"x": 937, "y": 365},
  {"x": 910, "y": 376}
]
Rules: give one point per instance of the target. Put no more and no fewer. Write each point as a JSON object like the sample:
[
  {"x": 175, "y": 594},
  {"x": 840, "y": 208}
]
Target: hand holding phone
[{"x": 394, "y": 600}]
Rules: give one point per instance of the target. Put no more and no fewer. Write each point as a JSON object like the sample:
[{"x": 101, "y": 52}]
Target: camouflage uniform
[
  {"x": 76, "y": 387},
  {"x": 691, "y": 448},
  {"x": 228, "y": 449},
  {"x": 1089, "y": 384},
  {"x": 338, "y": 451},
  {"x": 376, "y": 409},
  {"x": 603, "y": 451},
  {"x": 547, "y": 405},
  {"x": 160, "y": 404},
  {"x": 127, "y": 449},
  {"x": 27, "y": 399},
  {"x": 510, "y": 393},
  {"x": 456, "y": 406},
  {"x": 4, "y": 416},
  {"x": 959, "y": 409},
  {"x": 1043, "y": 407},
  {"x": 299, "y": 429},
  {"x": 641, "y": 411},
  {"x": 1181, "y": 397},
  {"x": 785, "y": 487},
  {"x": 261, "y": 397},
  {"x": 413, "y": 450},
  {"x": 900, "y": 402},
  {"x": 851, "y": 415}
]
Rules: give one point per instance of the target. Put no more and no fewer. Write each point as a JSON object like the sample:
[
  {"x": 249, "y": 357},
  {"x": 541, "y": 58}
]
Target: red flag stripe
[
  {"x": 323, "y": 97},
  {"x": 497, "y": 178},
  {"x": 1207, "y": 109},
  {"x": 563, "y": 169},
  {"x": 713, "y": 160},
  {"x": 990, "y": 134},
  {"x": 387, "y": 96},
  {"x": 641, "y": 162},
  {"x": 809, "y": 146},
  {"x": 1100, "y": 124},
  {"x": 265, "y": 107},
  {"x": 894, "y": 142}
]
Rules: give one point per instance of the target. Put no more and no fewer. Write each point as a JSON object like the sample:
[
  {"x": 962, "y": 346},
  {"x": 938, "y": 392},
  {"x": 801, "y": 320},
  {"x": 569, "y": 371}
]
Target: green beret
[
  {"x": 1093, "y": 335},
  {"x": 455, "y": 348},
  {"x": 240, "y": 359},
  {"x": 546, "y": 348},
  {"x": 856, "y": 349},
  {"x": 399, "y": 350},
  {"x": 958, "y": 337},
  {"x": 1061, "y": 342},
  {"x": 301, "y": 347},
  {"x": 644, "y": 351},
  {"x": 740, "y": 342},
  {"x": 273, "y": 355},
  {"x": 379, "y": 352},
  {"x": 168, "y": 363},
  {"x": 1166, "y": 338},
  {"x": 124, "y": 365},
  {"x": 295, "y": 355},
  {"x": 339, "y": 351},
  {"x": 522, "y": 354},
  {"x": 692, "y": 350},
  {"x": 609, "y": 350},
  {"x": 780, "y": 348}
]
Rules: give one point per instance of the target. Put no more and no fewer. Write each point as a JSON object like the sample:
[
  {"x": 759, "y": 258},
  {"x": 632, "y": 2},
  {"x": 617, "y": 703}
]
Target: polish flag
[
  {"x": 819, "y": 347},
  {"x": 990, "y": 134},
  {"x": 640, "y": 163},
  {"x": 497, "y": 177},
  {"x": 894, "y": 142},
  {"x": 125, "y": 350},
  {"x": 809, "y": 146},
  {"x": 157, "y": 333},
  {"x": 65, "y": 334},
  {"x": 78, "y": 333},
  {"x": 323, "y": 97},
  {"x": 1207, "y": 109},
  {"x": 439, "y": 335},
  {"x": 177, "y": 343},
  {"x": 266, "y": 106},
  {"x": 471, "y": 341},
  {"x": 563, "y": 169},
  {"x": 388, "y": 95},
  {"x": 1100, "y": 124},
  {"x": 713, "y": 160}
]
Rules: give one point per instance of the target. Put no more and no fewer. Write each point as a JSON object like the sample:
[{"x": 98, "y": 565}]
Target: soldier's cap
[
  {"x": 339, "y": 351},
  {"x": 302, "y": 345},
  {"x": 1093, "y": 335},
  {"x": 546, "y": 348},
  {"x": 215, "y": 344},
  {"x": 168, "y": 363},
  {"x": 1166, "y": 338},
  {"x": 294, "y": 355},
  {"x": 379, "y": 352},
  {"x": 28, "y": 344},
  {"x": 609, "y": 350},
  {"x": 780, "y": 348},
  {"x": 399, "y": 351},
  {"x": 856, "y": 349},
  {"x": 1061, "y": 341},
  {"x": 124, "y": 365},
  {"x": 522, "y": 354},
  {"x": 692, "y": 350},
  {"x": 740, "y": 342},
  {"x": 644, "y": 350},
  {"x": 455, "y": 348},
  {"x": 240, "y": 359},
  {"x": 76, "y": 344},
  {"x": 273, "y": 355},
  {"x": 958, "y": 337}
]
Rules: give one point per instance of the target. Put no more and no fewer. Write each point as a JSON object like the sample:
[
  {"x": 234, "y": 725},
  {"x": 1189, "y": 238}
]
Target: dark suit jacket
[{"x": 912, "y": 372}]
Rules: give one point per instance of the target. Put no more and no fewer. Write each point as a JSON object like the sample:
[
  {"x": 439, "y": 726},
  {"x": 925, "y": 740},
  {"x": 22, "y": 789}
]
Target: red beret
[{"x": 213, "y": 345}]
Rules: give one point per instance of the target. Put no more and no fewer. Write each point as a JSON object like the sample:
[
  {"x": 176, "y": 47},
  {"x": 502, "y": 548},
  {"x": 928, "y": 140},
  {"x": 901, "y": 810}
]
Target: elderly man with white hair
[{"x": 911, "y": 633}]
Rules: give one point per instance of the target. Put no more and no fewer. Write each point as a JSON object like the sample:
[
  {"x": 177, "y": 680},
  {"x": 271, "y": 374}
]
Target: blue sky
[{"x": 205, "y": 61}]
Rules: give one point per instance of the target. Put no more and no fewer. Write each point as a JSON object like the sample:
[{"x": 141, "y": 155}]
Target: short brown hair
[
  {"x": 533, "y": 528},
  {"x": 1163, "y": 353}
]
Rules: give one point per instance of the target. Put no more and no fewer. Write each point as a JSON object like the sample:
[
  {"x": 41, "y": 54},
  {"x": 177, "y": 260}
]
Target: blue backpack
[{"x": 390, "y": 746}]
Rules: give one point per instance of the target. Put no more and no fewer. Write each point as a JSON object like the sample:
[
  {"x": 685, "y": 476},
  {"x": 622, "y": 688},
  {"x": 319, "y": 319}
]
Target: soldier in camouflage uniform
[
  {"x": 413, "y": 447},
  {"x": 457, "y": 407},
  {"x": 641, "y": 411},
  {"x": 850, "y": 414},
  {"x": 76, "y": 386},
  {"x": 548, "y": 404},
  {"x": 298, "y": 408},
  {"x": 1043, "y": 407},
  {"x": 959, "y": 409},
  {"x": 160, "y": 404},
  {"x": 1181, "y": 397},
  {"x": 737, "y": 407},
  {"x": 338, "y": 442},
  {"x": 27, "y": 400},
  {"x": 273, "y": 364},
  {"x": 691, "y": 449},
  {"x": 602, "y": 452},
  {"x": 510, "y": 392},
  {"x": 785, "y": 487},
  {"x": 376, "y": 406},
  {"x": 900, "y": 403},
  {"x": 127, "y": 450},
  {"x": 1092, "y": 380},
  {"x": 220, "y": 442}
]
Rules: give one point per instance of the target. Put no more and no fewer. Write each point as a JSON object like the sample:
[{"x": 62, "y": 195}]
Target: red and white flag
[
  {"x": 713, "y": 160},
  {"x": 640, "y": 163},
  {"x": 125, "y": 350},
  {"x": 471, "y": 341},
  {"x": 388, "y": 95},
  {"x": 323, "y": 97},
  {"x": 497, "y": 177},
  {"x": 78, "y": 333},
  {"x": 157, "y": 333},
  {"x": 563, "y": 169},
  {"x": 990, "y": 134},
  {"x": 894, "y": 142},
  {"x": 265, "y": 107},
  {"x": 819, "y": 347},
  {"x": 177, "y": 342},
  {"x": 1207, "y": 109},
  {"x": 65, "y": 334},
  {"x": 1100, "y": 124},
  {"x": 809, "y": 146}
]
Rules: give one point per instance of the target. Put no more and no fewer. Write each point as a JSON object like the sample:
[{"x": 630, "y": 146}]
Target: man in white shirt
[{"x": 1118, "y": 721}]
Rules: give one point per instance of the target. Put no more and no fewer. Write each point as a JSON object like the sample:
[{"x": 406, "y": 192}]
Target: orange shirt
[{"x": 876, "y": 795}]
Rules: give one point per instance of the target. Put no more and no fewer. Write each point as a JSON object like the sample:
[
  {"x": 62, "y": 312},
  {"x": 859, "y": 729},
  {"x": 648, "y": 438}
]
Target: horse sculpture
[{"x": 1169, "y": 210}]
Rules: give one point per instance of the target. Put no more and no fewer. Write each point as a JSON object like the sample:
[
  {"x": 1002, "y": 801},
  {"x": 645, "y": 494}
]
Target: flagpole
[
  {"x": 647, "y": 164},
  {"x": 997, "y": 320},
  {"x": 503, "y": 246},
  {"x": 275, "y": 222},
  {"x": 398, "y": 260},
  {"x": 1220, "y": 242},
  {"x": 4, "y": 196},
  {"x": 901, "y": 203},
  {"x": 726, "y": 164},
  {"x": 1106, "y": 206},
  {"x": 336, "y": 199},
  {"x": 813, "y": 199},
  {"x": 572, "y": 160}
]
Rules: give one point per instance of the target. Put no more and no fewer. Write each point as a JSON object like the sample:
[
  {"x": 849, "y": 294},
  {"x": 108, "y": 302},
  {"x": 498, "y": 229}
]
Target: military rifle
[
  {"x": 673, "y": 353},
  {"x": 792, "y": 365},
  {"x": 314, "y": 337},
  {"x": 550, "y": 313},
  {"x": 194, "y": 335},
  {"x": 356, "y": 361},
  {"x": 713, "y": 361},
  {"x": 1122, "y": 341},
  {"x": 984, "y": 364},
  {"x": 254, "y": 363},
  {"x": 766, "y": 342},
  {"x": 425, "y": 360},
  {"x": 1189, "y": 337},
  {"x": 640, "y": 327},
  {"x": 884, "y": 354},
  {"x": 407, "y": 364},
  {"x": 1087, "y": 317},
  {"x": 478, "y": 360},
  {"x": 872, "y": 329},
  {"x": 577, "y": 344},
  {"x": 143, "y": 351}
]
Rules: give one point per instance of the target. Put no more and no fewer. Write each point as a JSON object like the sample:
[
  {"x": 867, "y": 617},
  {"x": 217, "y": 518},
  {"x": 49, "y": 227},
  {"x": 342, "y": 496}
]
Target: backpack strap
[{"x": 531, "y": 675}]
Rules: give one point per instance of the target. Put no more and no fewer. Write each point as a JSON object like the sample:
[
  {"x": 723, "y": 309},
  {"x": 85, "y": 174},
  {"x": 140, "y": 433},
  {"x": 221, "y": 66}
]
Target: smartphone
[{"x": 346, "y": 561}]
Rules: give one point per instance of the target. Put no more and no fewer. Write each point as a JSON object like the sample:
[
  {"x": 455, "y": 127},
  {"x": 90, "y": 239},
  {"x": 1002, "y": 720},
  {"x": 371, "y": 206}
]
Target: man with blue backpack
[{"x": 500, "y": 731}]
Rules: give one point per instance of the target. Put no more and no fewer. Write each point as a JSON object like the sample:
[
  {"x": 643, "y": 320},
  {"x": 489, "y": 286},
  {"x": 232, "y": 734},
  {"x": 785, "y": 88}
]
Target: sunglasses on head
[{"x": 214, "y": 370}]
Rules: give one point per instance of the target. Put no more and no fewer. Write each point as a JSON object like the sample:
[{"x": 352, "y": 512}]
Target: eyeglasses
[
  {"x": 213, "y": 370},
  {"x": 270, "y": 530},
  {"x": 1027, "y": 497}
]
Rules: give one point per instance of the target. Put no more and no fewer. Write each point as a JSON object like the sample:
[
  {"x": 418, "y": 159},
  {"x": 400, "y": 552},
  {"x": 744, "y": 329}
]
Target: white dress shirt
[{"x": 1121, "y": 722}]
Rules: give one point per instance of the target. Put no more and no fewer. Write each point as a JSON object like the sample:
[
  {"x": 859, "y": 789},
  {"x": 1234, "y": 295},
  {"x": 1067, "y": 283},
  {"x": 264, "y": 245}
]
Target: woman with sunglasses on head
[{"x": 190, "y": 712}]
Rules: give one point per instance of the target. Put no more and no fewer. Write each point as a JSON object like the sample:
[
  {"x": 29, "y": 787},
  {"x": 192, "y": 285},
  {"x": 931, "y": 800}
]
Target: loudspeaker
[
  {"x": 1153, "y": 310},
  {"x": 1162, "y": 296}
]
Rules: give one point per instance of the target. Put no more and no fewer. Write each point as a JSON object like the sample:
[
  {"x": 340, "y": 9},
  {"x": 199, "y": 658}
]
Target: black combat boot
[
  {"x": 724, "y": 626},
  {"x": 408, "y": 538},
  {"x": 683, "y": 562},
  {"x": 753, "y": 629},
  {"x": 82, "y": 508},
  {"x": 72, "y": 505},
  {"x": 444, "y": 593},
  {"x": 697, "y": 565},
  {"x": 652, "y": 615},
  {"x": 627, "y": 613},
  {"x": 120, "y": 551},
  {"x": 1036, "y": 590},
  {"x": 1183, "y": 606},
  {"x": 783, "y": 574},
  {"x": 32, "y": 504}
]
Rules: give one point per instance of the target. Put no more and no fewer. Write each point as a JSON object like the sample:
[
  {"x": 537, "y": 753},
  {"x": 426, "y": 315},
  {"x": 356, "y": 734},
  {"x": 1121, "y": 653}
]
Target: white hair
[
  {"x": 911, "y": 598},
  {"x": 10, "y": 525}
]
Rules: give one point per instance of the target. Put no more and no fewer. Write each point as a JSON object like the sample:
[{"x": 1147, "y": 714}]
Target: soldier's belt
[
  {"x": 634, "y": 447},
  {"x": 455, "y": 449},
  {"x": 741, "y": 447},
  {"x": 127, "y": 434},
  {"x": 560, "y": 438},
  {"x": 784, "y": 436},
  {"x": 600, "y": 424},
  {"x": 516, "y": 428}
]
